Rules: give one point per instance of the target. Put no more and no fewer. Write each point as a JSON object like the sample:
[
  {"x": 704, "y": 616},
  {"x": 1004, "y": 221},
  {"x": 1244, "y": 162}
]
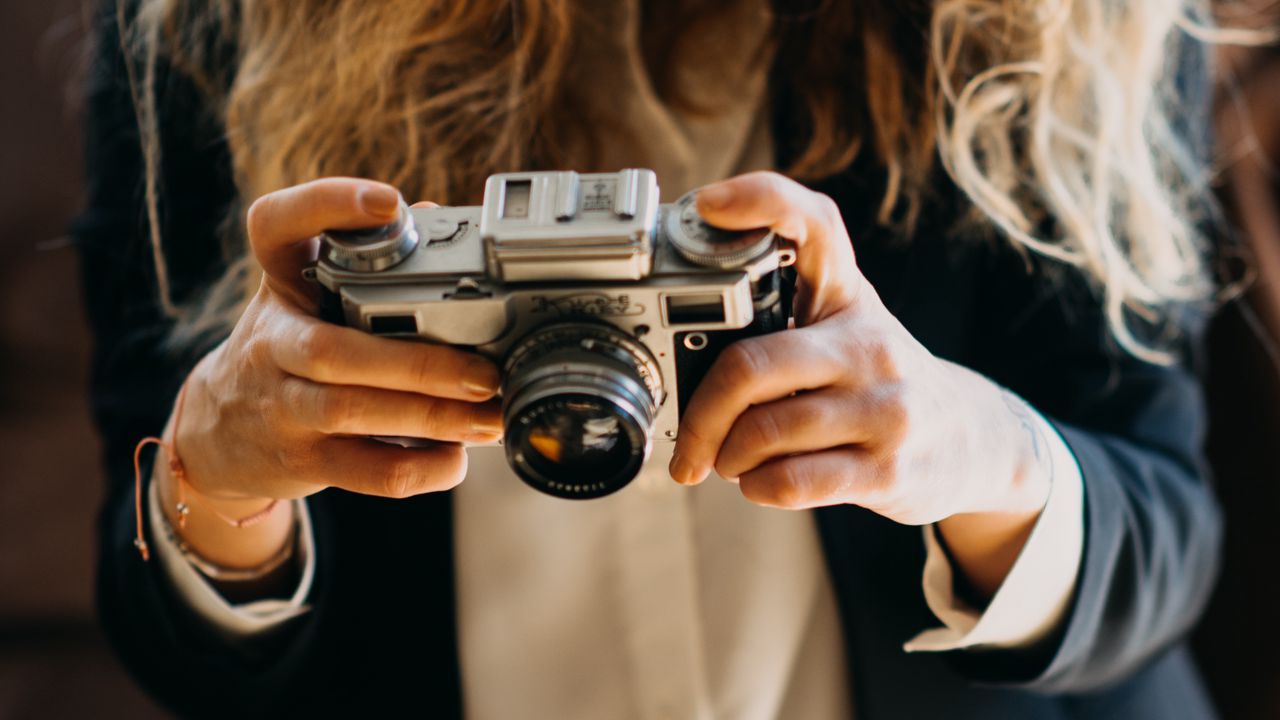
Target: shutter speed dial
[
  {"x": 373, "y": 249},
  {"x": 709, "y": 246}
]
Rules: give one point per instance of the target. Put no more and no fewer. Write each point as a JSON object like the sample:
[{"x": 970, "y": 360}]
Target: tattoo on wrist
[{"x": 1033, "y": 428}]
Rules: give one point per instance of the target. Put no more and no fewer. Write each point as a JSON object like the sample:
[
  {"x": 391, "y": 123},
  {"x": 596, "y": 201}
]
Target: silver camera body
[{"x": 603, "y": 308}]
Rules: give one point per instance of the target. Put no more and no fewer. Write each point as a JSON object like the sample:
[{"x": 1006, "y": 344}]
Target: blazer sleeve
[
  {"x": 1153, "y": 528},
  {"x": 135, "y": 377},
  {"x": 1152, "y": 525}
]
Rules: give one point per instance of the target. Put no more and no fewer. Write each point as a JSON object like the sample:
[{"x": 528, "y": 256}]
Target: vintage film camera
[{"x": 603, "y": 308}]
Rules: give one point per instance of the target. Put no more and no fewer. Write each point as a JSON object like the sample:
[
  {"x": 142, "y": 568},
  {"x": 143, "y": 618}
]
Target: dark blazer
[{"x": 381, "y": 635}]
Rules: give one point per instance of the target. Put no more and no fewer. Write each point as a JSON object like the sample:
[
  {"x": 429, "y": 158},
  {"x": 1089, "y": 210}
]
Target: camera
[{"x": 602, "y": 307}]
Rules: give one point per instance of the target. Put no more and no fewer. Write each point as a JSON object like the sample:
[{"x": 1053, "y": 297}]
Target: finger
[
  {"x": 351, "y": 410},
  {"x": 337, "y": 355},
  {"x": 808, "y": 422},
  {"x": 282, "y": 225},
  {"x": 425, "y": 204},
  {"x": 830, "y": 477},
  {"x": 825, "y": 262},
  {"x": 370, "y": 467},
  {"x": 748, "y": 372}
]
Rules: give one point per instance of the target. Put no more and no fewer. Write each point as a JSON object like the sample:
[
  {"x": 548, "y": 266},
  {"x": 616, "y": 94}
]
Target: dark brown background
[{"x": 53, "y": 661}]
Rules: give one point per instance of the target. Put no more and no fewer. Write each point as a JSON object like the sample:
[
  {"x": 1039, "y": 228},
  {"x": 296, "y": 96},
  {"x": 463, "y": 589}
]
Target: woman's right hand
[{"x": 286, "y": 406}]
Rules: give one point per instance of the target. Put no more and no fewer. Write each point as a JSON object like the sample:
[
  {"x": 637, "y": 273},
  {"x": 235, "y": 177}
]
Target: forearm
[{"x": 984, "y": 546}]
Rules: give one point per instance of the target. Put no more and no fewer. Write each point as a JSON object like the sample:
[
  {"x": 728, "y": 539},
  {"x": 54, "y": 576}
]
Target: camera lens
[{"x": 579, "y": 405}]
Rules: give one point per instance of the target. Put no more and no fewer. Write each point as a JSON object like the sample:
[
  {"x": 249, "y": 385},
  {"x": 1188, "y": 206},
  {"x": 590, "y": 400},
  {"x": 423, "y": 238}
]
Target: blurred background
[
  {"x": 54, "y": 662},
  {"x": 53, "y": 659}
]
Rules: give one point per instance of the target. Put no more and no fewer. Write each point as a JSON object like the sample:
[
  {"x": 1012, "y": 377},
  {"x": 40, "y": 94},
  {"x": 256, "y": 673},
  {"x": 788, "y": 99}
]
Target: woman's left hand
[{"x": 848, "y": 407}]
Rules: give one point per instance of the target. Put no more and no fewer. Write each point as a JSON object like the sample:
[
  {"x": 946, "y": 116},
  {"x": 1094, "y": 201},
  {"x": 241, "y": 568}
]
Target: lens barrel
[{"x": 579, "y": 404}]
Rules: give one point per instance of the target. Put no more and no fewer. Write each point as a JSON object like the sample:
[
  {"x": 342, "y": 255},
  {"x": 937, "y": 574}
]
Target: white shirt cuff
[
  {"x": 1035, "y": 594},
  {"x": 240, "y": 620}
]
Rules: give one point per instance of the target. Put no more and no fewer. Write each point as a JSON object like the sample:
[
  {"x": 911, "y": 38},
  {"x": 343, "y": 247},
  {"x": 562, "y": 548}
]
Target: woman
[{"x": 1020, "y": 397}]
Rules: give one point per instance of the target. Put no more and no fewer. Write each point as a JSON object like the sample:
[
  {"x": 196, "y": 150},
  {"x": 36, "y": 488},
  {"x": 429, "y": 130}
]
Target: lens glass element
[
  {"x": 578, "y": 413},
  {"x": 576, "y": 444}
]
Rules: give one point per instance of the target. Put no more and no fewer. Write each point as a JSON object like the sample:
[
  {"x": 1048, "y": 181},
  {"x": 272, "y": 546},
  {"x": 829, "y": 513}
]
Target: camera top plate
[{"x": 570, "y": 226}]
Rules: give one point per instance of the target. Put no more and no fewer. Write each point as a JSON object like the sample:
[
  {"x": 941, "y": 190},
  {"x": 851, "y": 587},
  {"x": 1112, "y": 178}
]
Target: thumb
[{"x": 283, "y": 225}]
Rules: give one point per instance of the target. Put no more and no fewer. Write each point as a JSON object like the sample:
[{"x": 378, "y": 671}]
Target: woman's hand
[
  {"x": 286, "y": 405},
  {"x": 850, "y": 408}
]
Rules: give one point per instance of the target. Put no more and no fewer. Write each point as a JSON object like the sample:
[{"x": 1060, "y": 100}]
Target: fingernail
[
  {"x": 487, "y": 426},
  {"x": 481, "y": 380},
  {"x": 713, "y": 197},
  {"x": 379, "y": 200}
]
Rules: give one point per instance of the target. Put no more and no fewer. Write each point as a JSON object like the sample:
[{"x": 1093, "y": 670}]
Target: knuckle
[
  {"x": 408, "y": 476},
  {"x": 827, "y": 352},
  {"x": 893, "y": 416},
  {"x": 691, "y": 434},
  {"x": 775, "y": 183},
  {"x": 785, "y": 493},
  {"x": 443, "y": 420},
  {"x": 336, "y": 410},
  {"x": 259, "y": 350},
  {"x": 427, "y": 366},
  {"x": 317, "y": 346},
  {"x": 883, "y": 483},
  {"x": 294, "y": 461},
  {"x": 837, "y": 349},
  {"x": 402, "y": 479},
  {"x": 824, "y": 417},
  {"x": 261, "y": 214},
  {"x": 741, "y": 363},
  {"x": 778, "y": 487},
  {"x": 761, "y": 430},
  {"x": 293, "y": 393},
  {"x": 827, "y": 209},
  {"x": 881, "y": 358}
]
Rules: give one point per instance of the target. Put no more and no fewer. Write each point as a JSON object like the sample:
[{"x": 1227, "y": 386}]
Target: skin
[
  {"x": 849, "y": 408},
  {"x": 283, "y": 407},
  {"x": 846, "y": 408}
]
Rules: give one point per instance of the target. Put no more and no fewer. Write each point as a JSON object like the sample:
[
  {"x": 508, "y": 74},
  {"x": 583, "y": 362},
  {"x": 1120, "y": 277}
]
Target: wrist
[
  {"x": 1031, "y": 479},
  {"x": 1008, "y": 463},
  {"x": 199, "y": 521},
  {"x": 1011, "y": 463},
  {"x": 181, "y": 498},
  {"x": 276, "y": 577},
  {"x": 986, "y": 539},
  {"x": 192, "y": 434}
]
